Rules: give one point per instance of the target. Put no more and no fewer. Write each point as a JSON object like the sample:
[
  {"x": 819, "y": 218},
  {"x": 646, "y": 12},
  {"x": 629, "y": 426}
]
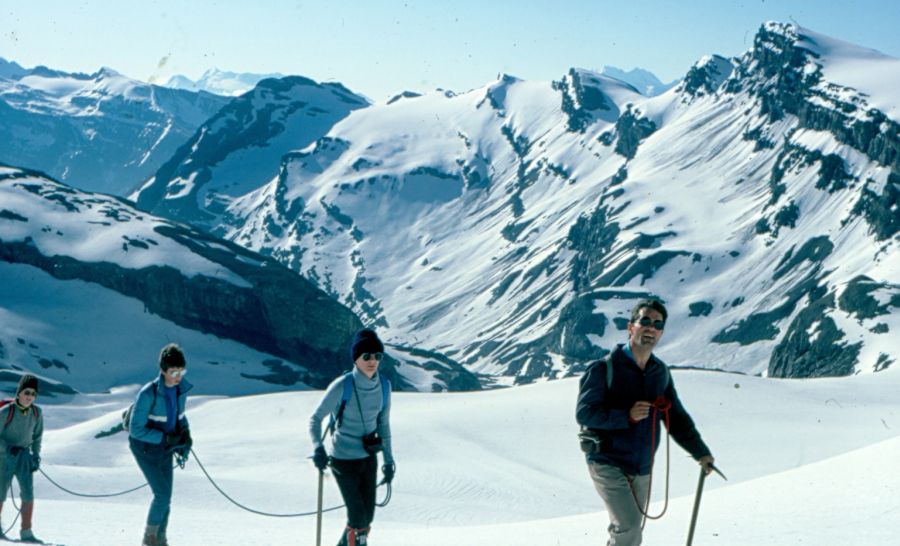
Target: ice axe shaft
[
  {"x": 690, "y": 539},
  {"x": 319, "y": 510},
  {"x": 699, "y": 494}
]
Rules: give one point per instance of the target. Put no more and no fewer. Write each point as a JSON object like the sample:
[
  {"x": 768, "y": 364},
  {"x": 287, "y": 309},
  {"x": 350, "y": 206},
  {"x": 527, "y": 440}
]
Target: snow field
[{"x": 809, "y": 462}]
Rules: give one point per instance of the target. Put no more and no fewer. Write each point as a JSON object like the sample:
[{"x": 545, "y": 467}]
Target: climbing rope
[
  {"x": 663, "y": 405},
  {"x": 89, "y": 495},
  {"x": 18, "y": 511},
  {"x": 269, "y": 514},
  {"x": 381, "y": 504}
]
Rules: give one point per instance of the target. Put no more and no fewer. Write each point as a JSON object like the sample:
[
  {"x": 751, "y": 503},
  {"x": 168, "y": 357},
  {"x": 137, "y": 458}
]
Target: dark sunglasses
[
  {"x": 369, "y": 356},
  {"x": 647, "y": 321}
]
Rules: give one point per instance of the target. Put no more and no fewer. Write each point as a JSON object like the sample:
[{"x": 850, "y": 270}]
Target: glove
[
  {"x": 182, "y": 452},
  {"x": 173, "y": 440},
  {"x": 177, "y": 440},
  {"x": 388, "y": 471},
  {"x": 35, "y": 462},
  {"x": 320, "y": 458}
]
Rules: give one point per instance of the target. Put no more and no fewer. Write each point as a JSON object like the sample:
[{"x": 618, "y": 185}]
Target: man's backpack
[
  {"x": 589, "y": 440},
  {"x": 11, "y": 412},
  {"x": 126, "y": 415},
  {"x": 337, "y": 417}
]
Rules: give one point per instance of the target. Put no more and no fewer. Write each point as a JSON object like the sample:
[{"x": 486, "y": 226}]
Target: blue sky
[{"x": 380, "y": 48}]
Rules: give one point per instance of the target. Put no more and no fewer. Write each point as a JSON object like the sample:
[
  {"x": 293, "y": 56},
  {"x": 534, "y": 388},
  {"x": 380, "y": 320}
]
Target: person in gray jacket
[
  {"x": 360, "y": 430},
  {"x": 158, "y": 431},
  {"x": 20, "y": 449}
]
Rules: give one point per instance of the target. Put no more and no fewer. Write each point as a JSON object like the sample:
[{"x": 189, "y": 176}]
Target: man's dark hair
[
  {"x": 656, "y": 305},
  {"x": 171, "y": 356}
]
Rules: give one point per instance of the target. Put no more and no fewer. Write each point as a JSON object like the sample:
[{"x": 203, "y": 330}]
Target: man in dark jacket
[{"x": 622, "y": 401}]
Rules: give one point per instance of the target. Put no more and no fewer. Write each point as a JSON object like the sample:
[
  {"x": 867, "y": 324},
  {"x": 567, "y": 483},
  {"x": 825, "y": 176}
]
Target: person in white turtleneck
[{"x": 361, "y": 429}]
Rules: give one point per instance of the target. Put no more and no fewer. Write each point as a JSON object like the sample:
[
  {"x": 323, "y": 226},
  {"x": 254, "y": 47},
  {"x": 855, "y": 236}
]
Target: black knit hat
[
  {"x": 171, "y": 356},
  {"x": 27, "y": 381},
  {"x": 366, "y": 341}
]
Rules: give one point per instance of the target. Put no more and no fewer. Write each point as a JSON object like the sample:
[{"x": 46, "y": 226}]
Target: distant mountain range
[
  {"x": 219, "y": 82},
  {"x": 99, "y": 132},
  {"x": 644, "y": 81},
  {"x": 508, "y": 230}
]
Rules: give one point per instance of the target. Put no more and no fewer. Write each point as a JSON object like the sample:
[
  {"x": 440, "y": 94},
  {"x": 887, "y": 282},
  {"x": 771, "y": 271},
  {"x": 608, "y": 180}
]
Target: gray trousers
[
  {"x": 624, "y": 516},
  {"x": 18, "y": 465}
]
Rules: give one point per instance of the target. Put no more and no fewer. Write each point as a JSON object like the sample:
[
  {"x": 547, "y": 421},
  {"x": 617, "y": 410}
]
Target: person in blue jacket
[
  {"x": 362, "y": 429},
  {"x": 159, "y": 431},
  {"x": 619, "y": 399}
]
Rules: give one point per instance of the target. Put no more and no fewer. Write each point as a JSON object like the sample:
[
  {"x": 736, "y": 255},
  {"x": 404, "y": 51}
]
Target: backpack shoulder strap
[
  {"x": 347, "y": 392},
  {"x": 385, "y": 392},
  {"x": 609, "y": 371},
  {"x": 12, "y": 409},
  {"x": 348, "y": 388}
]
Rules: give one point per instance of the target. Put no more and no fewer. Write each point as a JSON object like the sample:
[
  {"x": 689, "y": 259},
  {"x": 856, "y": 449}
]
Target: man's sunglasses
[
  {"x": 29, "y": 392},
  {"x": 369, "y": 356},
  {"x": 176, "y": 373},
  {"x": 647, "y": 321}
]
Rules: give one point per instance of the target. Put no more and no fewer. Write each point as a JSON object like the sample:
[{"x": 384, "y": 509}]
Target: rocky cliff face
[{"x": 259, "y": 303}]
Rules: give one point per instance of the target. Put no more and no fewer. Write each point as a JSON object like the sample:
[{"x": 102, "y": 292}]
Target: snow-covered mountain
[
  {"x": 512, "y": 227},
  {"x": 220, "y": 82},
  {"x": 643, "y": 80},
  {"x": 92, "y": 288},
  {"x": 98, "y": 132},
  {"x": 241, "y": 147}
]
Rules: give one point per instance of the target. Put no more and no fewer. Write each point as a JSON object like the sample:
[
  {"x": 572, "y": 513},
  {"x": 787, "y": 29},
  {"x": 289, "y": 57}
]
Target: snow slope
[{"x": 809, "y": 462}]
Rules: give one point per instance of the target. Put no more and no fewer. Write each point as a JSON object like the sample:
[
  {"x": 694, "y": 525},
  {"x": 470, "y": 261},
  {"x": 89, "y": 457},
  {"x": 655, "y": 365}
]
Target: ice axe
[{"x": 690, "y": 539}]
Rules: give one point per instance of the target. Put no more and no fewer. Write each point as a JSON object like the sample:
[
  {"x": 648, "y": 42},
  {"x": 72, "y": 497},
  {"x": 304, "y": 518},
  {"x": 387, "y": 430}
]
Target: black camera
[
  {"x": 591, "y": 442},
  {"x": 372, "y": 443}
]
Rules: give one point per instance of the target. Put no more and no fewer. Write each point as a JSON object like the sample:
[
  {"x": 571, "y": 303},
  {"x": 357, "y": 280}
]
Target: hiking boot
[
  {"x": 27, "y": 536},
  {"x": 150, "y": 536},
  {"x": 355, "y": 537}
]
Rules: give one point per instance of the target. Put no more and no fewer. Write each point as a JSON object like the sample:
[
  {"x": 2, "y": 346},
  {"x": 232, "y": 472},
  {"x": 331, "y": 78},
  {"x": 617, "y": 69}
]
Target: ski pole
[{"x": 319, "y": 511}]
